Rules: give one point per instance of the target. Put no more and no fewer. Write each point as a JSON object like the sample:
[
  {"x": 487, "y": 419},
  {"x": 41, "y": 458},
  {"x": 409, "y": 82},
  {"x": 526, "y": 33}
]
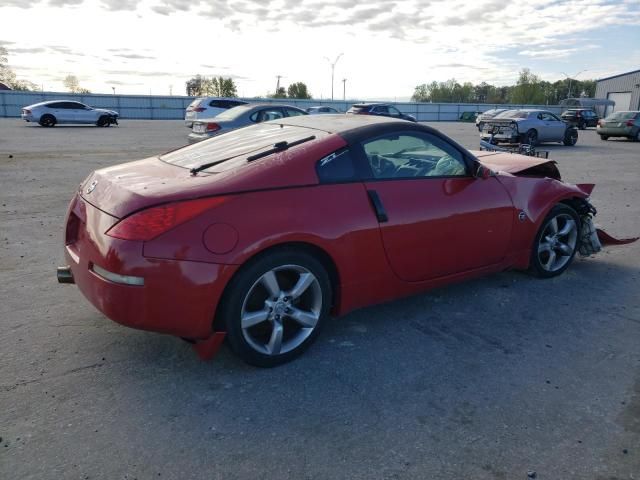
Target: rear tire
[
  {"x": 531, "y": 138},
  {"x": 582, "y": 125},
  {"x": 556, "y": 243},
  {"x": 604, "y": 138},
  {"x": 636, "y": 137},
  {"x": 47, "y": 121},
  {"x": 275, "y": 306}
]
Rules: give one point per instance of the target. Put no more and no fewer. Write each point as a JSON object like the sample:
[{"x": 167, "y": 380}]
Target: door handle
[{"x": 376, "y": 203}]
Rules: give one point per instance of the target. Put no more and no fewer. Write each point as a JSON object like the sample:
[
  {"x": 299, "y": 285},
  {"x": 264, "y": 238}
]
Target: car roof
[
  {"x": 48, "y": 102},
  {"x": 369, "y": 104},
  {"x": 337, "y": 123}
]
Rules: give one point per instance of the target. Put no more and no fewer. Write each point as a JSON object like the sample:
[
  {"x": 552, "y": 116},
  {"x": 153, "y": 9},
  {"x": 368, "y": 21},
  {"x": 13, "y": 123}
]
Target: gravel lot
[{"x": 491, "y": 379}]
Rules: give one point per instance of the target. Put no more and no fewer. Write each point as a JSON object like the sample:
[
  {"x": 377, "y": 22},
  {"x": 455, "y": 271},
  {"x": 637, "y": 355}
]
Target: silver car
[
  {"x": 489, "y": 114},
  {"x": 207, "y": 107},
  {"x": 528, "y": 126},
  {"x": 620, "y": 124},
  {"x": 50, "y": 113},
  {"x": 241, "y": 116}
]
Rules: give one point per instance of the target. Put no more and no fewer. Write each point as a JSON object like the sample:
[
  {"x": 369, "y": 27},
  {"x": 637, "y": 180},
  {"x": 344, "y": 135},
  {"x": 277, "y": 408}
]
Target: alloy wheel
[
  {"x": 558, "y": 242},
  {"x": 281, "y": 310}
]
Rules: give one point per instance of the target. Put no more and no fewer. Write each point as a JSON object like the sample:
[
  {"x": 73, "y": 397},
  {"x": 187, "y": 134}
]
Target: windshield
[
  {"x": 235, "y": 146},
  {"x": 513, "y": 114},
  {"x": 622, "y": 116}
]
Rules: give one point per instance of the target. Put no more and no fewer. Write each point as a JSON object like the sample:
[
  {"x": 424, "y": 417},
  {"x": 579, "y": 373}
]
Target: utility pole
[
  {"x": 570, "y": 80},
  {"x": 170, "y": 90},
  {"x": 333, "y": 66},
  {"x": 344, "y": 89},
  {"x": 278, "y": 83}
]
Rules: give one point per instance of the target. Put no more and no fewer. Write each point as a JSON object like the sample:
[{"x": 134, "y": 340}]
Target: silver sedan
[
  {"x": 241, "y": 116},
  {"x": 528, "y": 126}
]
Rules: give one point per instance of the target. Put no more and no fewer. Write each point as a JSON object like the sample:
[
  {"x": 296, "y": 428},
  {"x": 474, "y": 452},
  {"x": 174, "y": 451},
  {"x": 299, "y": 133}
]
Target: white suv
[{"x": 207, "y": 107}]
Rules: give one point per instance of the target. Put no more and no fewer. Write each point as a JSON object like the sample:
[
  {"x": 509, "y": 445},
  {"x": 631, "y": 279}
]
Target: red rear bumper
[{"x": 177, "y": 297}]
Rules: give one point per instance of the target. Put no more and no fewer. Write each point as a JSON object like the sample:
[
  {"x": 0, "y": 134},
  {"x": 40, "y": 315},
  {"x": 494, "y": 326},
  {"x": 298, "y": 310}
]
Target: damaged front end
[{"x": 592, "y": 239}]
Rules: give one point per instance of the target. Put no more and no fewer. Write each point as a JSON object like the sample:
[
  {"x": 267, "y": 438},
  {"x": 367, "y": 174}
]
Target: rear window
[
  {"x": 513, "y": 114},
  {"x": 622, "y": 116},
  {"x": 233, "y": 113},
  {"x": 195, "y": 103},
  {"x": 234, "y": 147}
]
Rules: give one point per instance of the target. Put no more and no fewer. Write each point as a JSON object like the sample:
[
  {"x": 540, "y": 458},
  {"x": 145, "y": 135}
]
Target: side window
[
  {"x": 381, "y": 109},
  {"x": 267, "y": 114},
  {"x": 293, "y": 113},
  {"x": 411, "y": 155},
  {"x": 336, "y": 167},
  {"x": 55, "y": 105},
  {"x": 216, "y": 104},
  {"x": 394, "y": 111}
]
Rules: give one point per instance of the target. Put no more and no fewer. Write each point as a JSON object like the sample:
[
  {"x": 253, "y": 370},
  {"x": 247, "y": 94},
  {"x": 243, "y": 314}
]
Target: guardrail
[{"x": 153, "y": 107}]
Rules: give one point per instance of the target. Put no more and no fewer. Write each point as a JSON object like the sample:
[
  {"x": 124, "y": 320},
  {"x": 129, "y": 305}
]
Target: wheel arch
[{"x": 315, "y": 251}]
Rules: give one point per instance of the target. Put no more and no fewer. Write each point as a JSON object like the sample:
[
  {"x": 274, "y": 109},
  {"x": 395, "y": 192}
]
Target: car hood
[
  {"x": 516, "y": 164},
  {"x": 103, "y": 110}
]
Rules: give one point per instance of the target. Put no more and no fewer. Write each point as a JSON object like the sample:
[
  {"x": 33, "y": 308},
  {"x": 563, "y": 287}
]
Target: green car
[{"x": 620, "y": 124}]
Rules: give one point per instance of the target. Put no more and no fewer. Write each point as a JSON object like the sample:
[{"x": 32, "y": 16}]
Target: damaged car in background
[
  {"x": 528, "y": 126},
  {"x": 260, "y": 234}
]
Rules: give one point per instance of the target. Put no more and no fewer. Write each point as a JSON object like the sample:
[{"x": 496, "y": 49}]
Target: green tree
[
  {"x": 420, "y": 93},
  {"x": 298, "y": 90},
  {"x": 222, "y": 87},
  {"x": 195, "y": 86},
  {"x": 281, "y": 93},
  {"x": 72, "y": 84},
  {"x": 528, "y": 90}
]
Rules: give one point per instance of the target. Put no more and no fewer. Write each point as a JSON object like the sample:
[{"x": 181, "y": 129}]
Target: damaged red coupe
[{"x": 261, "y": 233}]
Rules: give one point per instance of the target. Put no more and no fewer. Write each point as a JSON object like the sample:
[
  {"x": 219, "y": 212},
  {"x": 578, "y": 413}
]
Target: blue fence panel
[{"x": 173, "y": 107}]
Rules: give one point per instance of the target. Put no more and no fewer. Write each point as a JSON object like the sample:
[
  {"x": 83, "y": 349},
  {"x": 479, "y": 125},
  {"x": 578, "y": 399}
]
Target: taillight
[
  {"x": 148, "y": 224},
  {"x": 629, "y": 123},
  {"x": 212, "y": 127},
  {"x": 199, "y": 109},
  {"x": 26, "y": 112}
]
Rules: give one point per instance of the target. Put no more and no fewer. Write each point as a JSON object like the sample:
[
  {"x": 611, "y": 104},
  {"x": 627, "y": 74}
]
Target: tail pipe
[{"x": 64, "y": 275}]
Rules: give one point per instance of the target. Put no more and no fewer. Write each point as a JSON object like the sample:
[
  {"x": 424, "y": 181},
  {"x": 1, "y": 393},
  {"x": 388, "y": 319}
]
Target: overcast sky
[{"x": 388, "y": 47}]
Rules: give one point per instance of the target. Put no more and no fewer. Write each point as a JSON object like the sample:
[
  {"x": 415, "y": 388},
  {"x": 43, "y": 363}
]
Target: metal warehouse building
[{"x": 624, "y": 89}]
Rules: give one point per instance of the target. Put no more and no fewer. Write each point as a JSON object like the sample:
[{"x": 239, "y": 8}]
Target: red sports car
[{"x": 260, "y": 233}]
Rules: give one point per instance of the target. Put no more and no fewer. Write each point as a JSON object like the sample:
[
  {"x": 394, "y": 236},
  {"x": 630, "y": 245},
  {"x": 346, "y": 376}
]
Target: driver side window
[{"x": 411, "y": 155}]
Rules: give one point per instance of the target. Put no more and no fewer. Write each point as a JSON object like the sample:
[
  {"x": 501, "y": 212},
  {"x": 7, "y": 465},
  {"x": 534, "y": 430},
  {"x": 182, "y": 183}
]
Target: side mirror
[{"x": 483, "y": 172}]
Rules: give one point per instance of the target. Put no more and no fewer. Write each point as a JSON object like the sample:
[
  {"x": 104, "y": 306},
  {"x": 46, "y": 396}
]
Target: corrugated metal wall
[
  {"x": 148, "y": 107},
  {"x": 629, "y": 82}
]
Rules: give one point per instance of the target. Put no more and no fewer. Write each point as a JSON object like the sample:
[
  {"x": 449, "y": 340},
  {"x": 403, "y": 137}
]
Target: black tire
[
  {"x": 531, "y": 138},
  {"x": 582, "y": 125},
  {"x": 247, "y": 295},
  {"x": 636, "y": 137},
  {"x": 570, "y": 137},
  {"x": 104, "y": 121},
  {"x": 604, "y": 137},
  {"x": 541, "y": 264},
  {"x": 48, "y": 121}
]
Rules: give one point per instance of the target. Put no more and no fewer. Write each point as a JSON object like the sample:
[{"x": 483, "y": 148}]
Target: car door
[
  {"x": 554, "y": 127},
  {"x": 82, "y": 113},
  {"x": 435, "y": 218}
]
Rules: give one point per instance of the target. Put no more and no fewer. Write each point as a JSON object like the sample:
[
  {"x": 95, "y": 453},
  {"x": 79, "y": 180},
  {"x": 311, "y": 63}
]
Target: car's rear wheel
[
  {"x": 582, "y": 125},
  {"x": 556, "y": 242},
  {"x": 604, "y": 137},
  {"x": 47, "y": 120},
  {"x": 104, "y": 121},
  {"x": 636, "y": 137},
  {"x": 531, "y": 138},
  {"x": 570, "y": 137},
  {"x": 275, "y": 307}
]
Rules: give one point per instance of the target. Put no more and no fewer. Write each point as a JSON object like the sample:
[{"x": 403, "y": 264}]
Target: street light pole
[
  {"x": 344, "y": 89},
  {"x": 571, "y": 79},
  {"x": 333, "y": 66}
]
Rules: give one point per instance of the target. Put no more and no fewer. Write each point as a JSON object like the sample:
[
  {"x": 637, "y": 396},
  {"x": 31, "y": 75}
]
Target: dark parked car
[
  {"x": 581, "y": 117},
  {"x": 379, "y": 109},
  {"x": 261, "y": 233}
]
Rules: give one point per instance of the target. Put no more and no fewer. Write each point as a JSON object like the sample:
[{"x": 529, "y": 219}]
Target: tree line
[
  {"x": 530, "y": 89},
  {"x": 200, "y": 86}
]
